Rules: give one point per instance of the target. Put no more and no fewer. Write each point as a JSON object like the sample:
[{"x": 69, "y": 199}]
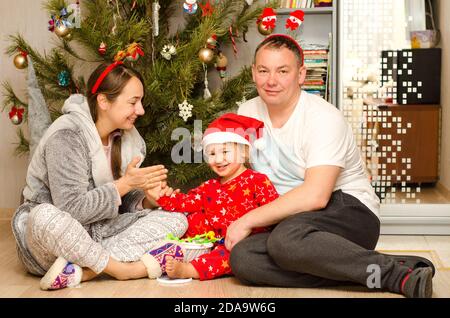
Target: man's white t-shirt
[{"x": 316, "y": 134}]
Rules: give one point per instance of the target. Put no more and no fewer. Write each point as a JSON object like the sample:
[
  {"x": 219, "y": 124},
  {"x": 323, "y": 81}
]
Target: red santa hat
[
  {"x": 295, "y": 19},
  {"x": 234, "y": 128},
  {"x": 298, "y": 14},
  {"x": 268, "y": 12}
]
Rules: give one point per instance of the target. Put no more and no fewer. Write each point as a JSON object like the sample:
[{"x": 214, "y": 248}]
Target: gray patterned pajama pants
[{"x": 51, "y": 233}]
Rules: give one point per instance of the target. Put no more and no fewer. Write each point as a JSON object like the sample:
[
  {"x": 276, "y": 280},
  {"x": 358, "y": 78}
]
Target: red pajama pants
[{"x": 215, "y": 263}]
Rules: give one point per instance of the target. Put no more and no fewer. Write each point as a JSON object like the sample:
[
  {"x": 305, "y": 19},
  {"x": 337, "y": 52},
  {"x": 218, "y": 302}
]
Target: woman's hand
[{"x": 140, "y": 178}]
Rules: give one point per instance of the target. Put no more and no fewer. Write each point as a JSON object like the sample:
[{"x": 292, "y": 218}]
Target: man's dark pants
[{"x": 330, "y": 247}]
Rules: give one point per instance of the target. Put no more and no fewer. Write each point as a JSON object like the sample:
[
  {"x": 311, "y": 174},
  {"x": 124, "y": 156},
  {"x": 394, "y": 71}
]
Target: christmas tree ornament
[
  {"x": 63, "y": 79},
  {"x": 20, "y": 60},
  {"x": 60, "y": 23},
  {"x": 168, "y": 51},
  {"x": 16, "y": 115},
  {"x": 206, "y": 55},
  {"x": 51, "y": 25},
  {"x": 221, "y": 65},
  {"x": 233, "y": 41},
  {"x": 190, "y": 6},
  {"x": 185, "y": 110},
  {"x": 102, "y": 48},
  {"x": 206, "y": 93},
  {"x": 155, "y": 17},
  {"x": 133, "y": 52},
  {"x": 295, "y": 20},
  {"x": 62, "y": 30},
  {"x": 266, "y": 21},
  {"x": 211, "y": 43},
  {"x": 207, "y": 9},
  {"x": 121, "y": 55}
]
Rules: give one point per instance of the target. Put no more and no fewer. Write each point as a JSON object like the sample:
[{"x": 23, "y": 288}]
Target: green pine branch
[
  {"x": 10, "y": 98},
  {"x": 23, "y": 146}
]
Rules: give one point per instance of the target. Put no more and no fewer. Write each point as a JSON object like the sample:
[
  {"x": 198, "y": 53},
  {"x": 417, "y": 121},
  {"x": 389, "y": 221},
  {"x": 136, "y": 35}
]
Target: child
[{"x": 217, "y": 203}]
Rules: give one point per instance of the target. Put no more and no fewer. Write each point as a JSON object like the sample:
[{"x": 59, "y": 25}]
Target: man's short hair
[{"x": 281, "y": 40}]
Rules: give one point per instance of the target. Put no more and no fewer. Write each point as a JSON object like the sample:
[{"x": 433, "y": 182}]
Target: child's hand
[{"x": 168, "y": 191}]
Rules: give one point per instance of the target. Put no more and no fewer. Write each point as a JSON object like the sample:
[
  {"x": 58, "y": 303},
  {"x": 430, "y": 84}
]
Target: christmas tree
[{"x": 174, "y": 66}]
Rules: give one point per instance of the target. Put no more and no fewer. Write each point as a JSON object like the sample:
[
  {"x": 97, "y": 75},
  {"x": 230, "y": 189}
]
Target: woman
[{"x": 85, "y": 210}]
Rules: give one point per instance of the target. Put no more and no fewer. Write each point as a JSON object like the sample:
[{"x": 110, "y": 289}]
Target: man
[{"x": 326, "y": 219}]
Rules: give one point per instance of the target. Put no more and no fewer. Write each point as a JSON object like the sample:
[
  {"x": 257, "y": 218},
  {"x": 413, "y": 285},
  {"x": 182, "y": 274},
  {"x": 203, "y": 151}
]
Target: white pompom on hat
[{"x": 234, "y": 128}]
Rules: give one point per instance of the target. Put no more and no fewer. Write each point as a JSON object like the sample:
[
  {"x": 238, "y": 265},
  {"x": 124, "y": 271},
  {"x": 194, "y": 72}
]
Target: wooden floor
[{"x": 14, "y": 282}]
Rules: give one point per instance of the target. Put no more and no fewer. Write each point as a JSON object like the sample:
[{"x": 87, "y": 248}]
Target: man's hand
[{"x": 237, "y": 231}]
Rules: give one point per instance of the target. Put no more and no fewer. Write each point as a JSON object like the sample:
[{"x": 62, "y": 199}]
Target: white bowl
[{"x": 194, "y": 250}]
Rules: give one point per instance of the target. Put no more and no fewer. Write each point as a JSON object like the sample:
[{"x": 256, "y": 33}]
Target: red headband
[
  {"x": 290, "y": 39},
  {"x": 103, "y": 75}
]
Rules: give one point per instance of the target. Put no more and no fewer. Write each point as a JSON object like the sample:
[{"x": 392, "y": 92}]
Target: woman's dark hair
[
  {"x": 111, "y": 86},
  {"x": 278, "y": 41}
]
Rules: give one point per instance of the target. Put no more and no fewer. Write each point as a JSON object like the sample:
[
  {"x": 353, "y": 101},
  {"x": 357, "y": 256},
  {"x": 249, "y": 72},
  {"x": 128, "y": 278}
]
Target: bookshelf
[{"x": 320, "y": 27}]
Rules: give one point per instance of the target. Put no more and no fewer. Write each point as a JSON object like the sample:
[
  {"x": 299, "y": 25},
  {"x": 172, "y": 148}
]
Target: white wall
[
  {"x": 28, "y": 18},
  {"x": 444, "y": 25}
]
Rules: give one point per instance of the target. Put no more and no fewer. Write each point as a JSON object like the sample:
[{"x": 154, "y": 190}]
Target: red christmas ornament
[
  {"x": 207, "y": 9},
  {"x": 134, "y": 51},
  {"x": 102, "y": 48}
]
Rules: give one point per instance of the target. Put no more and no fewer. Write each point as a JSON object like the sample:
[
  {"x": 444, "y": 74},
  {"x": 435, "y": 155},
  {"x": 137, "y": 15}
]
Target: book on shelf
[
  {"x": 297, "y": 4},
  {"x": 316, "y": 60}
]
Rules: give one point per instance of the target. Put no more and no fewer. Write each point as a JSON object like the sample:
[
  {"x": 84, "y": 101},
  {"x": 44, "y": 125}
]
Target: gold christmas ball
[
  {"x": 263, "y": 30},
  {"x": 61, "y": 30},
  {"x": 206, "y": 55},
  {"x": 222, "y": 60},
  {"x": 20, "y": 61}
]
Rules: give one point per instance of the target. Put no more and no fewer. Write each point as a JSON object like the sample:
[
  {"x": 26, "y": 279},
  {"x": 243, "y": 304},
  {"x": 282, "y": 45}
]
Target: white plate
[
  {"x": 196, "y": 246},
  {"x": 170, "y": 281}
]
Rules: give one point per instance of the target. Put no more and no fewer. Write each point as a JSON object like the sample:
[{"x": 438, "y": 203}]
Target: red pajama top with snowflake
[{"x": 213, "y": 207}]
